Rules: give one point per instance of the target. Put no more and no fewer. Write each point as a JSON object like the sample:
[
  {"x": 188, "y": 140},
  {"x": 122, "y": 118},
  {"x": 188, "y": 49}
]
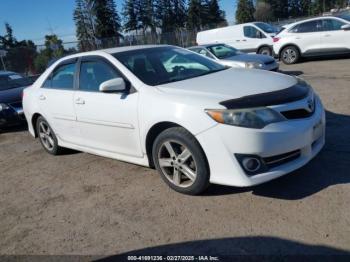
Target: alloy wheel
[
  {"x": 177, "y": 164},
  {"x": 289, "y": 55},
  {"x": 46, "y": 136}
]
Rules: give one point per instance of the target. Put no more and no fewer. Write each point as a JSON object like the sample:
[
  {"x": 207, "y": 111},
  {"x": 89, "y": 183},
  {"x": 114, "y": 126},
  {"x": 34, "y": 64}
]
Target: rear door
[
  {"x": 107, "y": 121},
  {"x": 55, "y": 99},
  {"x": 333, "y": 38},
  {"x": 307, "y": 37}
]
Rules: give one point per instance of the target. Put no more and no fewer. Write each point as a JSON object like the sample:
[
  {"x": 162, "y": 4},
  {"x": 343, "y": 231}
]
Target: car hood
[
  {"x": 250, "y": 58},
  {"x": 229, "y": 84},
  {"x": 11, "y": 95}
]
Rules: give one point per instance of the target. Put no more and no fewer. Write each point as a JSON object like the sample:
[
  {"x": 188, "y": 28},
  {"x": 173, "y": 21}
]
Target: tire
[
  {"x": 185, "y": 169},
  {"x": 265, "y": 50},
  {"x": 290, "y": 55},
  {"x": 47, "y": 137}
]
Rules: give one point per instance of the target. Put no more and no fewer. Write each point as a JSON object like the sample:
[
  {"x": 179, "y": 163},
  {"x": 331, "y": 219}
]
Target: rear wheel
[
  {"x": 265, "y": 51},
  {"x": 181, "y": 161},
  {"x": 290, "y": 55},
  {"x": 47, "y": 137}
]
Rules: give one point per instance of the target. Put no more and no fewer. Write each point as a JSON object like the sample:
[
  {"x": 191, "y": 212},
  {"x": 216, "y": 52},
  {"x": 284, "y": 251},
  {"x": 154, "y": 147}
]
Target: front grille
[
  {"x": 296, "y": 114},
  {"x": 274, "y": 161}
]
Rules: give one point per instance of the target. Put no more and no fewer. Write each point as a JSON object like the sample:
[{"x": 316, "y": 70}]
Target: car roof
[
  {"x": 108, "y": 51},
  {"x": 309, "y": 20}
]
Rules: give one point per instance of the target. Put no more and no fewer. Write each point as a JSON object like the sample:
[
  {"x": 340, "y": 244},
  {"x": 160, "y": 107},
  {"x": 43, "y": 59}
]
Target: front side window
[
  {"x": 161, "y": 65},
  {"x": 331, "y": 25},
  {"x": 267, "y": 28},
  {"x": 94, "y": 73},
  {"x": 252, "y": 32},
  {"x": 307, "y": 27},
  {"x": 223, "y": 51},
  {"x": 62, "y": 77}
]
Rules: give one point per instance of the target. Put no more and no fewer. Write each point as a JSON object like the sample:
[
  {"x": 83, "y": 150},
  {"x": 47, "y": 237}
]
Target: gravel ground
[{"x": 80, "y": 204}]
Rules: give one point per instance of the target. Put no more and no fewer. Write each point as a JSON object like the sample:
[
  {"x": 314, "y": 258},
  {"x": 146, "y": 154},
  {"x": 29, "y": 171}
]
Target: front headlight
[
  {"x": 252, "y": 65},
  {"x": 251, "y": 118},
  {"x": 3, "y": 107}
]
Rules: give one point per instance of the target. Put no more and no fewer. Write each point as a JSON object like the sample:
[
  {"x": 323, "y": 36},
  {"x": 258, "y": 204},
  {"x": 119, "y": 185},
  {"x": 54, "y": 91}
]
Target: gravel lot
[{"x": 83, "y": 204}]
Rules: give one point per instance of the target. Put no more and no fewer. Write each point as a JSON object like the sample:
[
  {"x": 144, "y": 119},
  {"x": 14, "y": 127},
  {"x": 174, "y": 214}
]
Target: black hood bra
[{"x": 288, "y": 95}]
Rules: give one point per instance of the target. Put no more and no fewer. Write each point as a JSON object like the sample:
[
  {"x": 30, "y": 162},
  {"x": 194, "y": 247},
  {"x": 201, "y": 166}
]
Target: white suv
[{"x": 312, "y": 37}]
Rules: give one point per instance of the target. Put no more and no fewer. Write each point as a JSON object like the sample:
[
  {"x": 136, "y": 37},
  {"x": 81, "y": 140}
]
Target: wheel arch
[
  {"x": 262, "y": 46},
  {"x": 154, "y": 131},
  {"x": 33, "y": 122}
]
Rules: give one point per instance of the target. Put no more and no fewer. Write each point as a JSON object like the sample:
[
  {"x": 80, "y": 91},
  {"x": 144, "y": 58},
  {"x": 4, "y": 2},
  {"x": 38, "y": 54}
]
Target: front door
[
  {"x": 333, "y": 38},
  {"x": 107, "y": 121}
]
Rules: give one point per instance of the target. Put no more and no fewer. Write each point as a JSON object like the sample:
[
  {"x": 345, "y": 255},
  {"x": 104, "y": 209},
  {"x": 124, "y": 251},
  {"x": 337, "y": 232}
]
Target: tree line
[{"x": 274, "y": 10}]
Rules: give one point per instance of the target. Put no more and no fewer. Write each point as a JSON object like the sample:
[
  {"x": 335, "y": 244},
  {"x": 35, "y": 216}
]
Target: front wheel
[
  {"x": 290, "y": 55},
  {"x": 181, "y": 161}
]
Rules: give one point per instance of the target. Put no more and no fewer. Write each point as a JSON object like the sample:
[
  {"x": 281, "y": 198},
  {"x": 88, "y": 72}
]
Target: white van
[{"x": 256, "y": 37}]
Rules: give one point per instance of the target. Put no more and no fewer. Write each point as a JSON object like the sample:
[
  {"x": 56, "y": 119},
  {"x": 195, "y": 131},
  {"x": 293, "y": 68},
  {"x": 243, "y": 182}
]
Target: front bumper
[
  {"x": 222, "y": 143},
  {"x": 11, "y": 116}
]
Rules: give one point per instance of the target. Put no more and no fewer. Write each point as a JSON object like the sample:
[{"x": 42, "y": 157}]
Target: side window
[
  {"x": 63, "y": 77},
  {"x": 252, "y": 32},
  {"x": 94, "y": 73},
  {"x": 331, "y": 25},
  {"x": 307, "y": 27},
  {"x": 205, "y": 53}
]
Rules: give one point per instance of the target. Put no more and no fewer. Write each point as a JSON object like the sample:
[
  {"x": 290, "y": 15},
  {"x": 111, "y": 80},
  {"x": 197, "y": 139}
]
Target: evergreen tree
[
  {"x": 245, "y": 11},
  {"x": 194, "y": 19},
  {"x": 107, "y": 20},
  {"x": 279, "y": 8},
  {"x": 84, "y": 28},
  {"x": 215, "y": 16},
  {"x": 130, "y": 16},
  {"x": 8, "y": 40}
]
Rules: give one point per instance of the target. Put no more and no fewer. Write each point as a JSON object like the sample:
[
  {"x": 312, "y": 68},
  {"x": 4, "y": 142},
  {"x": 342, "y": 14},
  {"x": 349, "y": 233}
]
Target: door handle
[
  {"x": 244, "y": 40},
  {"x": 42, "y": 97},
  {"x": 80, "y": 101},
  {"x": 238, "y": 40},
  {"x": 327, "y": 35}
]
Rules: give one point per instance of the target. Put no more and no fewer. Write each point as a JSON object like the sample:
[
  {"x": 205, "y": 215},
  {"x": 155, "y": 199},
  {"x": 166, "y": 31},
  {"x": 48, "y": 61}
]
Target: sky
[{"x": 33, "y": 19}]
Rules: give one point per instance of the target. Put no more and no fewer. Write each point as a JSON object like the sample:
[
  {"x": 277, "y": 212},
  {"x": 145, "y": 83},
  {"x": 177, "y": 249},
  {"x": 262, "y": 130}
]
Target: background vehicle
[
  {"x": 11, "y": 88},
  {"x": 249, "y": 38},
  {"x": 196, "y": 121},
  {"x": 313, "y": 37},
  {"x": 230, "y": 56}
]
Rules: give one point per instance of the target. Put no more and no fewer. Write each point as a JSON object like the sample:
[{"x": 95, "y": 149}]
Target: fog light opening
[{"x": 251, "y": 164}]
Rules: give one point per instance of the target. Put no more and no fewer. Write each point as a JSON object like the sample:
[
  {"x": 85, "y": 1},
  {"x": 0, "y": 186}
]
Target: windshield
[
  {"x": 267, "y": 28},
  {"x": 345, "y": 17},
  {"x": 223, "y": 51},
  {"x": 161, "y": 65},
  {"x": 10, "y": 81}
]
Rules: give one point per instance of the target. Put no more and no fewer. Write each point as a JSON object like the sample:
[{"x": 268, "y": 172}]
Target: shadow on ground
[
  {"x": 231, "y": 249},
  {"x": 291, "y": 73},
  {"x": 330, "y": 167}
]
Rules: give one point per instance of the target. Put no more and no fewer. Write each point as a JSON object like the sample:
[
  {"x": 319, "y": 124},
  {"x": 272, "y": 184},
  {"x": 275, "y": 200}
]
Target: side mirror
[
  {"x": 346, "y": 27},
  {"x": 113, "y": 85}
]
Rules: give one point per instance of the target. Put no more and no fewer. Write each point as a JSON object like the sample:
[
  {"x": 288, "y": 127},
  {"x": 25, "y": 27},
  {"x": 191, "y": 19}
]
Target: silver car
[{"x": 230, "y": 56}]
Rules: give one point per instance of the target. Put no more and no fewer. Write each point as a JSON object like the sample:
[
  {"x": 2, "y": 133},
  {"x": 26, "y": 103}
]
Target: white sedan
[{"x": 196, "y": 125}]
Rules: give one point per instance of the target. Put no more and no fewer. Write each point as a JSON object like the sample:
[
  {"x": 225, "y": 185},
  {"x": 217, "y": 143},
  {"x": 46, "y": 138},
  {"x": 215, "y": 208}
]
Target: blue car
[{"x": 11, "y": 87}]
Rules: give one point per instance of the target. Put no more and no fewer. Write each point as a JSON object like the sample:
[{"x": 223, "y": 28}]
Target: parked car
[
  {"x": 229, "y": 56},
  {"x": 209, "y": 124},
  {"x": 249, "y": 38},
  {"x": 313, "y": 37},
  {"x": 11, "y": 87}
]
